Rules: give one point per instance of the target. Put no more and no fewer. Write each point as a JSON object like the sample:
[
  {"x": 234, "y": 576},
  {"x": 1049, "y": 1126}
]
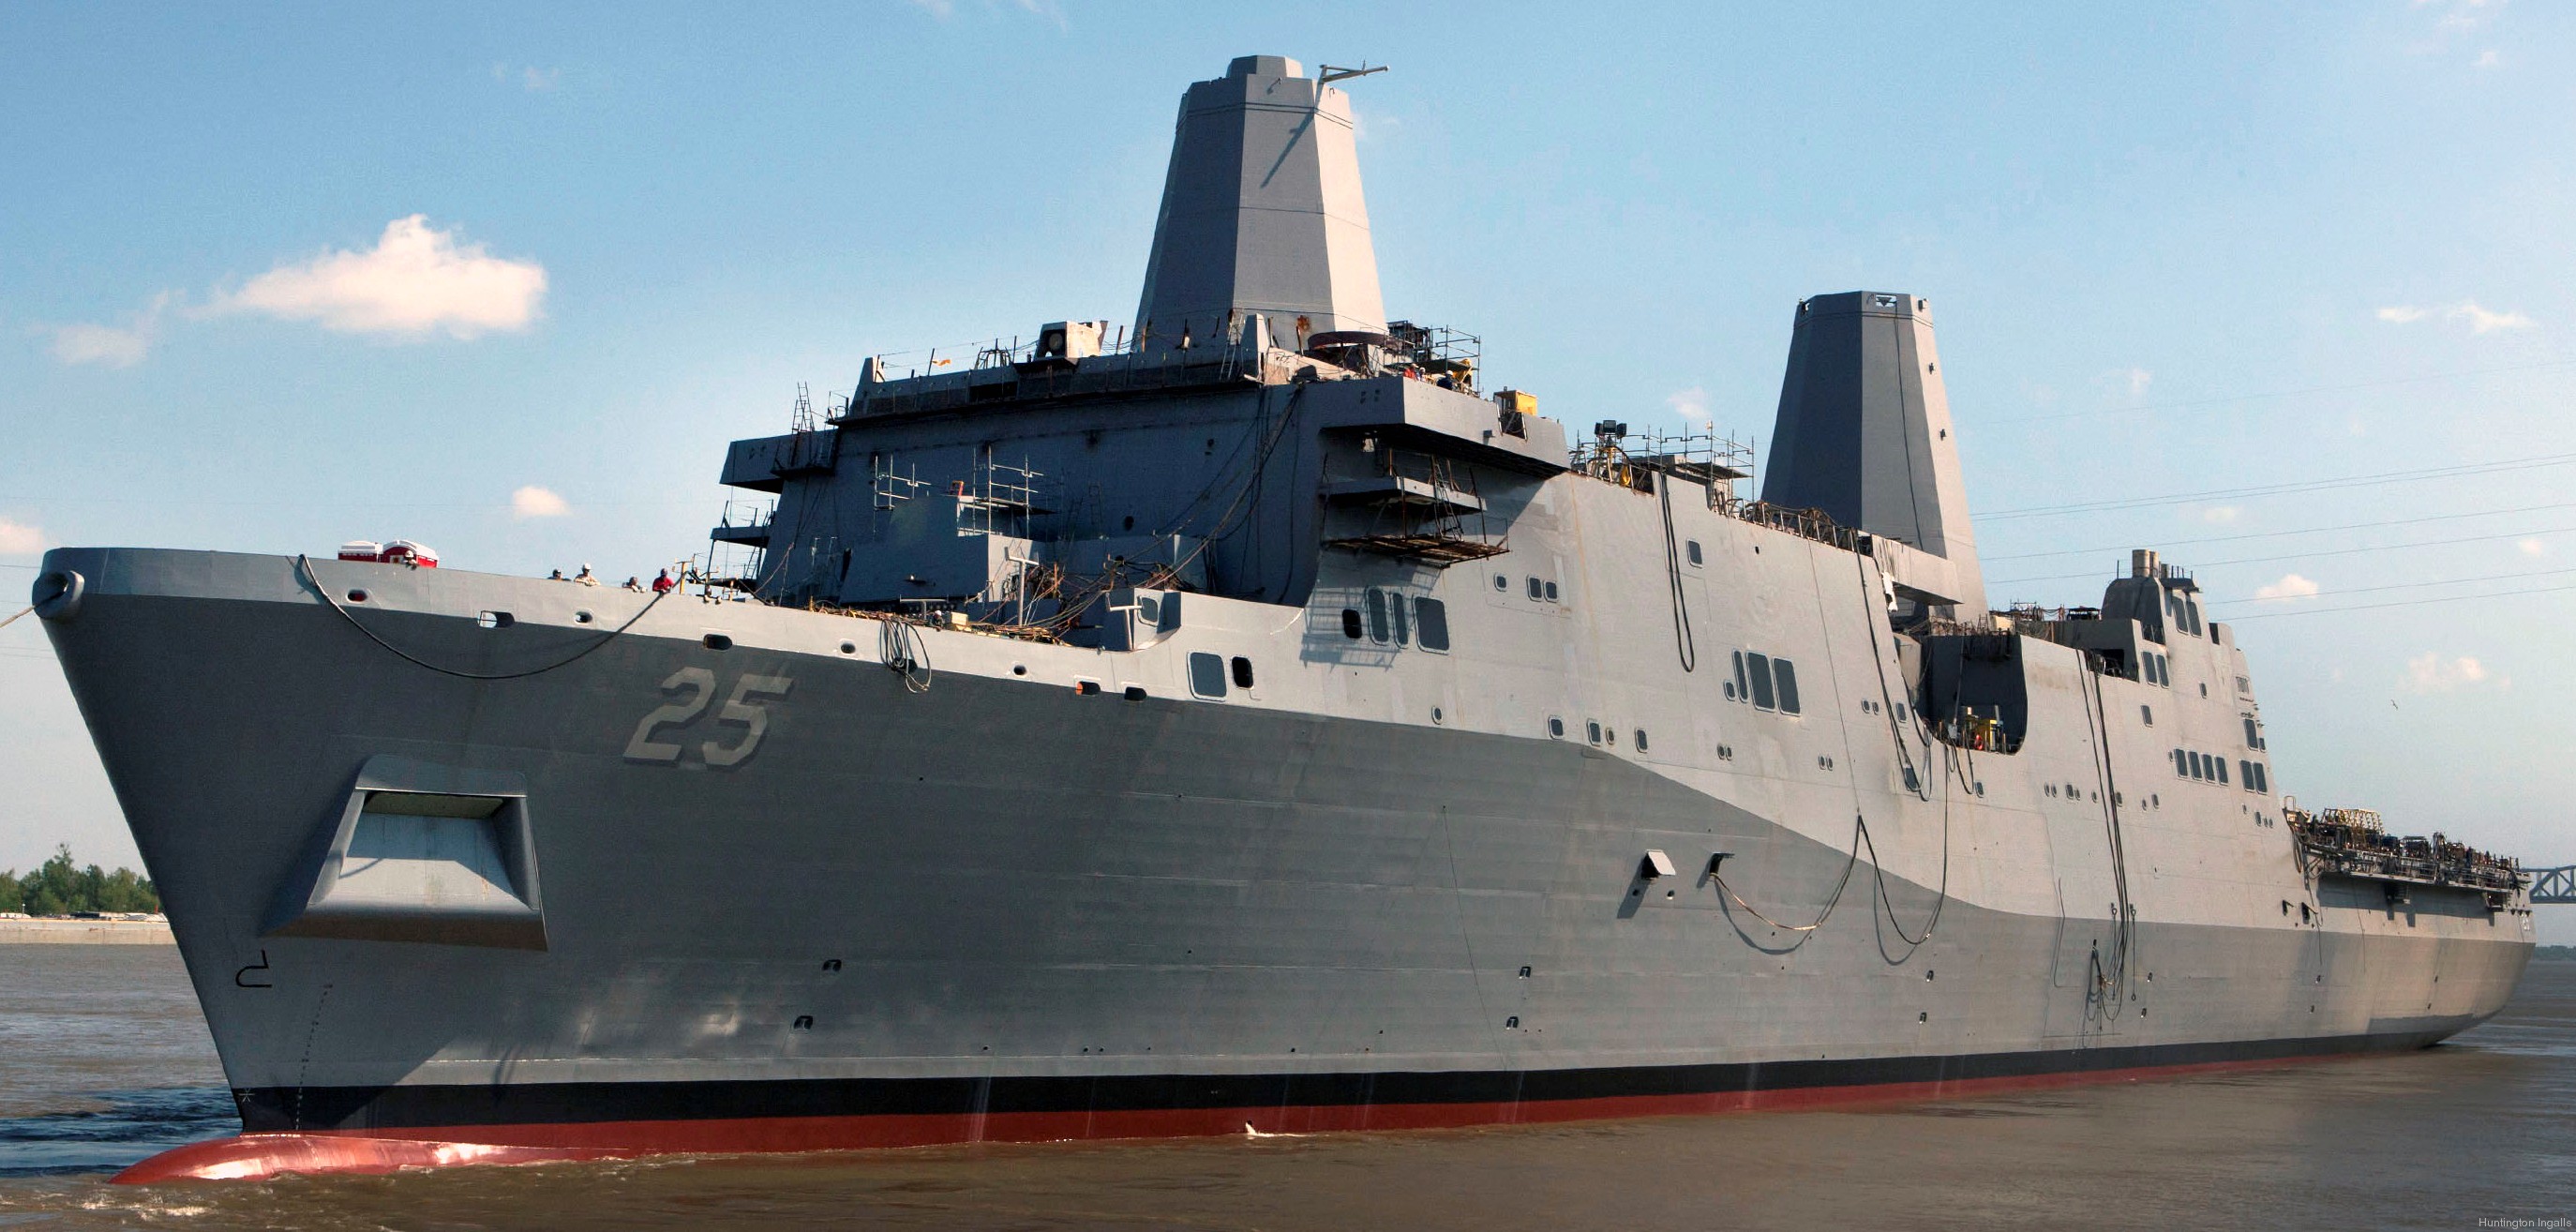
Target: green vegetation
[
  {"x": 2555, "y": 953},
  {"x": 60, "y": 888}
]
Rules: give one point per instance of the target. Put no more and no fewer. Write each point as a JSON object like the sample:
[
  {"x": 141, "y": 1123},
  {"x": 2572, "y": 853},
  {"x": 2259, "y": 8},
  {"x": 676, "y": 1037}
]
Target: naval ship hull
[{"x": 936, "y": 906}]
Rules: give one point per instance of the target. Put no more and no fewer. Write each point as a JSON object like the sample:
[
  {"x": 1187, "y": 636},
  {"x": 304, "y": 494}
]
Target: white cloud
[
  {"x": 535, "y": 502},
  {"x": 1691, "y": 404},
  {"x": 416, "y": 280},
  {"x": 530, "y": 78},
  {"x": 2432, "y": 673},
  {"x": 2139, "y": 379},
  {"x": 20, "y": 539},
  {"x": 2480, "y": 320},
  {"x": 2533, "y": 547},
  {"x": 2486, "y": 59},
  {"x": 2219, "y": 515},
  {"x": 2291, "y": 586},
  {"x": 119, "y": 347}
]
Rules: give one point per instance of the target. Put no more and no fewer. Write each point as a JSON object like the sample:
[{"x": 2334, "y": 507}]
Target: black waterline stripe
[{"x": 428, "y": 1106}]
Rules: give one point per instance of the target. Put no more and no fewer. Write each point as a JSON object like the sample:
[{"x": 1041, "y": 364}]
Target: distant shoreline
[{"x": 73, "y": 930}]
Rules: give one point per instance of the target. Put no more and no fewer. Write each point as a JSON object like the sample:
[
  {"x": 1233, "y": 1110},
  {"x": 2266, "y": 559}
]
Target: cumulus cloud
[
  {"x": 416, "y": 280},
  {"x": 20, "y": 539},
  {"x": 2478, "y": 318},
  {"x": 1691, "y": 404},
  {"x": 535, "y": 502},
  {"x": 2435, "y": 673},
  {"x": 2291, "y": 586},
  {"x": 529, "y": 77},
  {"x": 2219, "y": 515},
  {"x": 113, "y": 345}
]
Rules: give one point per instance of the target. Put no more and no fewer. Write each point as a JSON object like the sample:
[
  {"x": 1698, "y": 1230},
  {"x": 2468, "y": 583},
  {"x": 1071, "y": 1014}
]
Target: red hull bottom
[{"x": 257, "y": 1156}]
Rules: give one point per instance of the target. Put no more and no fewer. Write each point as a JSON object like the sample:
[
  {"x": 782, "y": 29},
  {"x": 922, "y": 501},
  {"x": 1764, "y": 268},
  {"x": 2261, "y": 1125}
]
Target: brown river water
[{"x": 103, "y": 1060}]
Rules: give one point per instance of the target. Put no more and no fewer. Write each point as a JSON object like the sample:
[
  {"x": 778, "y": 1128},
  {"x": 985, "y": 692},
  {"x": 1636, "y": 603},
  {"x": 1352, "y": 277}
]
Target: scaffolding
[{"x": 1420, "y": 508}]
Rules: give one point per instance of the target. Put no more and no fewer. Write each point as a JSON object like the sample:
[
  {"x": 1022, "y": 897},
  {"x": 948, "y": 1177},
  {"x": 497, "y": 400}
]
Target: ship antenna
[{"x": 1327, "y": 74}]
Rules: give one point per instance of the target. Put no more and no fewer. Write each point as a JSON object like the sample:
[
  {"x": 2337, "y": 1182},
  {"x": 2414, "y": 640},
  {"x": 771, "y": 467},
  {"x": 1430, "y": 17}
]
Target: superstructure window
[
  {"x": 1377, "y": 627},
  {"x": 1739, "y": 689},
  {"x": 1551, "y": 592},
  {"x": 2181, "y": 766},
  {"x": 1403, "y": 626},
  {"x": 1207, "y": 674},
  {"x": 1641, "y": 740},
  {"x": 2253, "y": 734},
  {"x": 1351, "y": 623},
  {"x": 1786, "y": 674},
  {"x": 2219, "y": 764},
  {"x": 1555, "y": 728},
  {"x": 1502, "y": 582},
  {"x": 1693, "y": 547},
  {"x": 1431, "y": 621},
  {"x": 1592, "y": 730},
  {"x": 2149, "y": 716},
  {"x": 1759, "y": 667},
  {"x": 1537, "y": 590},
  {"x": 1242, "y": 672}
]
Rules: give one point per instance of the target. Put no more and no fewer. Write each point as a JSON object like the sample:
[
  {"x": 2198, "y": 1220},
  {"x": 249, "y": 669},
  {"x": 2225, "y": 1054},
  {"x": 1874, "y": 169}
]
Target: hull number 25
[{"x": 744, "y": 708}]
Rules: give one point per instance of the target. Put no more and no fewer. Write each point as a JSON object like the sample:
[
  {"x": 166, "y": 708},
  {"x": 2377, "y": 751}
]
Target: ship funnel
[
  {"x": 1261, "y": 213},
  {"x": 1864, "y": 434}
]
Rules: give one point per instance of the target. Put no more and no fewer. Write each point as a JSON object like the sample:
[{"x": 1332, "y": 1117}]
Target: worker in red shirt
[{"x": 662, "y": 583}]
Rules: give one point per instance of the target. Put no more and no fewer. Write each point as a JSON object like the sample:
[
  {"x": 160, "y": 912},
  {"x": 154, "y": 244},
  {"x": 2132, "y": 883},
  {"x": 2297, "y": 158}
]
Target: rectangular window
[
  {"x": 1538, "y": 590},
  {"x": 2182, "y": 763},
  {"x": 1207, "y": 674},
  {"x": 1760, "y": 668},
  {"x": 1431, "y": 619},
  {"x": 1377, "y": 616},
  {"x": 1403, "y": 626},
  {"x": 1592, "y": 731},
  {"x": 2219, "y": 764},
  {"x": 1694, "y": 552},
  {"x": 2148, "y": 715},
  {"x": 2198, "y": 771},
  {"x": 1787, "y": 675},
  {"x": 1743, "y": 691},
  {"x": 2252, "y": 740},
  {"x": 1242, "y": 672}
]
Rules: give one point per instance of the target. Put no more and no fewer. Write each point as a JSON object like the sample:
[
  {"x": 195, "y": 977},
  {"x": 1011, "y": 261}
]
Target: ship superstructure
[{"x": 1240, "y": 716}]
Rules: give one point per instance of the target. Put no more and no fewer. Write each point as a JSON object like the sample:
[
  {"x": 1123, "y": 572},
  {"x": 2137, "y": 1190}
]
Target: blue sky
[{"x": 2173, "y": 252}]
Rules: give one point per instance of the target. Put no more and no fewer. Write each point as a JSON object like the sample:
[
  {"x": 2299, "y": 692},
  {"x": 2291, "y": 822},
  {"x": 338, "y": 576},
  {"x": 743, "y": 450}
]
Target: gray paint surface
[{"x": 766, "y": 855}]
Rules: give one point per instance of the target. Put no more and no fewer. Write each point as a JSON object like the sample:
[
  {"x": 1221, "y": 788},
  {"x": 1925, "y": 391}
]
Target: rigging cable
[
  {"x": 304, "y": 567},
  {"x": 1683, "y": 642},
  {"x": 2117, "y": 978}
]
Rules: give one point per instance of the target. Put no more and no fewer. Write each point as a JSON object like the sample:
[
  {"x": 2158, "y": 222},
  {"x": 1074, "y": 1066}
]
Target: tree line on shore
[{"x": 60, "y": 887}]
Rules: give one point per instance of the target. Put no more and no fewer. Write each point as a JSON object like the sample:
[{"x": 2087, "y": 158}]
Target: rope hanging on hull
[
  {"x": 1683, "y": 642},
  {"x": 304, "y": 569}
]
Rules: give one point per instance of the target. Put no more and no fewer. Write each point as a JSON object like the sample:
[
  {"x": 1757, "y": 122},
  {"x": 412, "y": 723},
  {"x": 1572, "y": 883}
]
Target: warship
[{"x": 1240, "y": 720}]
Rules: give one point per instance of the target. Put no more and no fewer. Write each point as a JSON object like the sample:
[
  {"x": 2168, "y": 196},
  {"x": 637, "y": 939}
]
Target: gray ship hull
[{"x": 985, "y": 903}]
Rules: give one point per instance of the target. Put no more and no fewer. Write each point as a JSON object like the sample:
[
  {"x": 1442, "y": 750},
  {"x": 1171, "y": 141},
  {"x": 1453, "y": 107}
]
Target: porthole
[
  {"x": 1017, "y": 669},
  {"x": 1592, "y": 731},
  {"x": 495, "y": 620},
  {"x": 357, "y": 596},
  {"x": 1435, "y": 716},
  {"x": 716, "y": 641},
  {"x": 581, "y": 618},
  {"x": 1641, "y": 740},
  {"x": 1502, "y": 582},
  {"x": 853, "y": 648},
  {"x": 1555, "y": 728}
]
